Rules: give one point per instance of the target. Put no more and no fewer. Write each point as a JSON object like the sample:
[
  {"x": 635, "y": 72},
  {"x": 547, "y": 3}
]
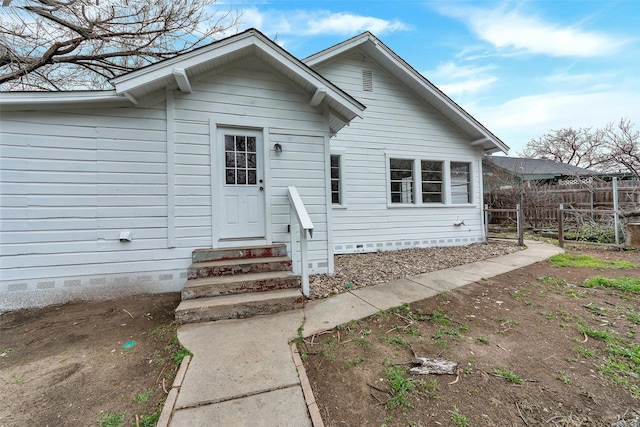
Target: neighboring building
[
  {"x": 501, "y": 172},
  {"x": 108, "y": 193}
]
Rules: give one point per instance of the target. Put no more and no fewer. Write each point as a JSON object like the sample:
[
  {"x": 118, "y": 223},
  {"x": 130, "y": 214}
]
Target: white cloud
[
  {"x": 455, "y": 79},
  {"x": 519, "y": 120},
  {"x": 510, "y": 29},
  {"x": 319, "y": 22}
]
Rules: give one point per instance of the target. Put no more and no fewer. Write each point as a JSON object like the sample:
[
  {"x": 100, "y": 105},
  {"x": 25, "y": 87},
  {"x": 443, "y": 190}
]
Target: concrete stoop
[{"x": 239, "y": 282}]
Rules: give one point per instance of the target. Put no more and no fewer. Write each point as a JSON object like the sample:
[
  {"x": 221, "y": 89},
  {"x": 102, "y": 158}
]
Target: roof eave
[{"x": 29, "y": 100}]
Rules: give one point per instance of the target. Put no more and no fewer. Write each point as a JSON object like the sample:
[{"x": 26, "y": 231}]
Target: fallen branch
[
  {"x": 378, "y": 388},
  {"x": 586, "y": 338},
  {"x": 521, "y": 416},
  {"x": 454, "y": 381},
  {"x": 128, "y": 313},
  {"x": 164, "y": 387},
  {"x": 433, "y": 366}
]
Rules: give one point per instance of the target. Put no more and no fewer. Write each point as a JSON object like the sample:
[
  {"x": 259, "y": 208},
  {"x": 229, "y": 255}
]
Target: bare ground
[
  {"x": 64, "y": 365},
  {"x": 527, "y": 323}
]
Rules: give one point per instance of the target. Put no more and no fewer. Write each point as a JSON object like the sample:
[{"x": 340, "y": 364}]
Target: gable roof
[
  {"x": 177, "y": 73},
  {"x": 416, "y": 82},
  {"x": 536, "y": 168},
  {"x": 179, "y": 70}
]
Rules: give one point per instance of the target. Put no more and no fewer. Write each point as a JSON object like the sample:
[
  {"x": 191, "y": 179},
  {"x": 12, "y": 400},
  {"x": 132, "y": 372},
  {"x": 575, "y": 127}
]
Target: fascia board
[
  {"x": 16, "y": 99},
  {"x": 337, "y": 50},
  {"x": 164, "y": 69}
]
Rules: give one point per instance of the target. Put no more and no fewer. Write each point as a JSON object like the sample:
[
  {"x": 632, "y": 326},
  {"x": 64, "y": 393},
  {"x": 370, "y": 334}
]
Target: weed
[
  {"x": 112, "y": 420},
  {"x": 17, "y": 380},
  {"x": 528, "y": 303},
  {"x": 143, "y": 396},
  {"x": 150, "y": 420},
  {"x": 483, "y": 339},
  {"x": 8, "y": 351},
  {"x": 584, "y": 352},
  {"x": 412, "y": 331},
  {"x": 625, "y": 284},
  {"x": 548, "y": 280},
  {"x": 400, "y": 385},
  {"x": 340, "y": 327},
  {"x": 439, "y": 317},
  {"x": 161, "y": 331},
  {"x": 633, "y": 317},
  {"x": 549, "y": 315},
  {"x": 520, "y": 293},
  {"x": 594, "y": 333},
  {"x": 397, "y": 341},
  {"x": 463, "y": 329},
  {"x": 459, "y": 419},
  {"x": 178, "y": 351},
  {"x": 355, "y": 362},
  {"x": 362, "y": 341},
  {"x": 508, "y": 375},
  {"x": 561, "y": 376},
  {"x": 570, "y": 260}
]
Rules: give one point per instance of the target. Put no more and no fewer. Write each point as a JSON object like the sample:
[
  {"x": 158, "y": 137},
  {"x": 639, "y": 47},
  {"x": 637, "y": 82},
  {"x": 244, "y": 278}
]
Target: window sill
[{"x": 339, "y": 207}]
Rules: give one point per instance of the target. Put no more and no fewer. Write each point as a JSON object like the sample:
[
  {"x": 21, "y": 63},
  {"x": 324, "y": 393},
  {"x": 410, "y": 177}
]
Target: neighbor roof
[
  {"x": 404, "y": 72},
  {"x": 536, "y": 168}
]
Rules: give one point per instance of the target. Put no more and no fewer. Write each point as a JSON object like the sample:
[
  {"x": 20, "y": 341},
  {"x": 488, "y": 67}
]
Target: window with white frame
[
  {"x": 431, "y": 181},
  {"x": 460, "y": 182},
  {"x": 336, "y": 194},
  {"x": 428, "y": 182},
  {"x": 401, "y": 173}
]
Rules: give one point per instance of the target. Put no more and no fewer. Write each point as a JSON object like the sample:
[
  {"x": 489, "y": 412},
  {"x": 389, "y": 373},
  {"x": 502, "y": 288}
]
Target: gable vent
[{"x": 367, "y": 81}]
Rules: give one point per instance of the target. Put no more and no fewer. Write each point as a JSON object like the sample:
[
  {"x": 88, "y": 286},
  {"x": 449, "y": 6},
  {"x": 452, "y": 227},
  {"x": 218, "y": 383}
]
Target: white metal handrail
[{"x": 301, "y": 216}]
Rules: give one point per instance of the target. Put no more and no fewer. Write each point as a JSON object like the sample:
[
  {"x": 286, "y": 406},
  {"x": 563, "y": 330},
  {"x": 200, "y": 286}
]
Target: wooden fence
[{"x": 540, "y": 203}]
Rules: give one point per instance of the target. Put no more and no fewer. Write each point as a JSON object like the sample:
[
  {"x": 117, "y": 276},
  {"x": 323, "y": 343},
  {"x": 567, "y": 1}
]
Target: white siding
[
  {"x": 249, "y": 93},
  {"x": 398, "y": 124},
  {"x": 71, "y": 180}
]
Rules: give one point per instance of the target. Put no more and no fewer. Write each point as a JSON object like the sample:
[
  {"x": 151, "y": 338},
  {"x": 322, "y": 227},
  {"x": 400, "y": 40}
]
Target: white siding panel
[
  {"x": 71, "y": 181},
  {"x": 397, "y": 123}
]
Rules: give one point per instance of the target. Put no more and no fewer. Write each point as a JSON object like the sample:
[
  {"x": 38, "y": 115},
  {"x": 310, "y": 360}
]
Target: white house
[{"x": 108, "y": 193}]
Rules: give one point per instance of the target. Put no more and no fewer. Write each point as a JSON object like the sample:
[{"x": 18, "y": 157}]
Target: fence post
[
  {"x": 561, "y": 226},
  {"x": 486, "y": 223},
  {"x": 616, "y": 218},
  {"x": 519, "y": 223}
]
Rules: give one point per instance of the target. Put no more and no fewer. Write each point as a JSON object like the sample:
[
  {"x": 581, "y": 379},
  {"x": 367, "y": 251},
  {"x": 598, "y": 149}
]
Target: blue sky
[{"x": 521, "y": 68}]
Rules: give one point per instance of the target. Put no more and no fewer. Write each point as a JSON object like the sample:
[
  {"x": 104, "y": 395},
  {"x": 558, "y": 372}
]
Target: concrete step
[
  {"x": 238, "y": 306},
  {"x": 242, "y": 283},
  {"x": 227, "y": 267},
  {"x": 205, "y": 255}
]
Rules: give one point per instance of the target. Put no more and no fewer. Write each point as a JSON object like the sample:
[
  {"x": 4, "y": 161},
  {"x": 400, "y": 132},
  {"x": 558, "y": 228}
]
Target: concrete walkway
[{"x": 243, "y": 374}]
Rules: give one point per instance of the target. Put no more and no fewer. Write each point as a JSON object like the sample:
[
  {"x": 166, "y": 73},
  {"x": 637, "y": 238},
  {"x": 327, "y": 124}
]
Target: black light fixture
[{"x": 277, "y": 148}]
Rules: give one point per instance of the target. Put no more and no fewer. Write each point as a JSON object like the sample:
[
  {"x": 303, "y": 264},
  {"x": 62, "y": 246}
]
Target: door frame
[{"x": 240, "y": 123}]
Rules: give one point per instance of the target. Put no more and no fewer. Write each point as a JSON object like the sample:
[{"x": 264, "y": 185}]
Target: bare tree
[
  {"x": 81, "y": 44},
  {"x": 623, "y": 145},
  {"x": 579, "y": 147}
]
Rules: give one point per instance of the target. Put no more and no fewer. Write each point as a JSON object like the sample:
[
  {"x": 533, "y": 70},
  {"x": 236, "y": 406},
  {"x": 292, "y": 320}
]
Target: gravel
[{"x": 355, "y": 271}]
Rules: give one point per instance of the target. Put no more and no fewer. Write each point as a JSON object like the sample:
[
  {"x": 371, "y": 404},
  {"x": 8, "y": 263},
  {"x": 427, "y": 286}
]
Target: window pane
[
  {"x": 240, "y": 145},
  {"x": 460, "y": 182},
  {"x": 241, "y": 175},
  {"x": 401, "y": 173},
  {"x": 335, "y": 179},
  {"x": 251, "y": 160},
  {"x": 431, "y": 181},
  {"x": 251, "y": 144},
  {"x": 230, "y": 160},
  {"x": 241, "y": 160},
  {"x": 252, "y": 177},
  {"x": 231, "y": 176},
  {"x": 229, "y": 142}
]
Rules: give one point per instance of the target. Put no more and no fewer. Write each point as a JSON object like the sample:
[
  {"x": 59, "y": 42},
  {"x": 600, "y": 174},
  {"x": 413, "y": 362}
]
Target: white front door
[{"x": 242, "y": 177}]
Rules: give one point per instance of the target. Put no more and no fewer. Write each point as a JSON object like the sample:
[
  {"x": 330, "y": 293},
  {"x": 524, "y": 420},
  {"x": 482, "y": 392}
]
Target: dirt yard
[
  {"x": 534, "y": 347},
  {"x": 65, "y": 365}
]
